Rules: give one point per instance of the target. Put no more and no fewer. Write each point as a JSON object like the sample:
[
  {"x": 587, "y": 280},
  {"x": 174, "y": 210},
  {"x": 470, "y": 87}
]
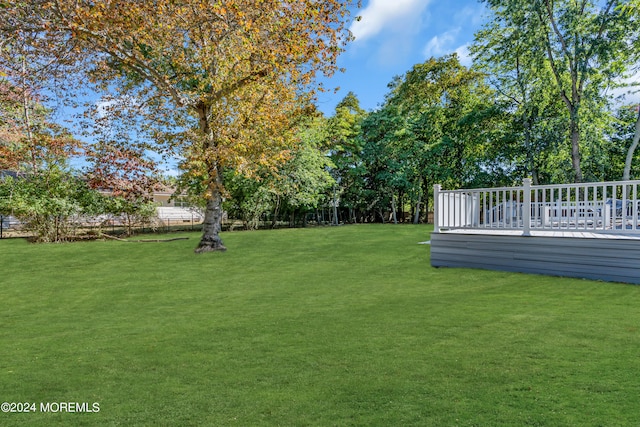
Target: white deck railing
[{"x": 608, "y": 207}]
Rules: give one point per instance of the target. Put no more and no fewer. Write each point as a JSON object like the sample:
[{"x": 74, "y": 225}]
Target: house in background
[
  {"x": 174, "y": 210},
  {"x": 5, "y": 173}
]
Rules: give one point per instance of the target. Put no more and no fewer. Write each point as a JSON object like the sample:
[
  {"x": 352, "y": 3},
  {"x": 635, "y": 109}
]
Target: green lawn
[{"x": 320, "y": 327}]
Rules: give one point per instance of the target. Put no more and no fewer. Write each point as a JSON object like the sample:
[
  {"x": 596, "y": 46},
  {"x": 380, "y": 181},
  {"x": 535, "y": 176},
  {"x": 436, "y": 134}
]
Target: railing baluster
[
  {"x": 457, "y": 209},
  {"x": 593, "y": 204},
  {"x": 535, "y": 209},
  {"x": 605, "y": 208},
  {"x": 512, "y": 203},
  {"x": 526, "y": 207},
  {"x": 586, "y": 204},
  {"x": 554, "y": 196},
  {"x": 518, "y": 210},
  {"x": 546, "y": 213},
  {"x": 623, "y": 211},
  {"x": 594, "y": 207},
  {"x": 485, "y": 206},
  {"x": 451, "y": 210},
  {"x": 436, "y": 208},
  {"x": 614, "y": 206},
  {"x": 451, "y": 215},
  {"x": 635, "y": 207},
  {"x": 568, "y": 207},
  {"x": 577, "y": 204},
  {"x": 492, "y": 209},
  {"x": 462, "y": 201},
  {"x": 600, "y": 205}
]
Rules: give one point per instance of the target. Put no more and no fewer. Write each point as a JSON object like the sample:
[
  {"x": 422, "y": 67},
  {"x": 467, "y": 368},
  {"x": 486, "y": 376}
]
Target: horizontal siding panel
[
  {"x": 611, "y": 275},
  {"x": 591, "y": 258},
  {"x": 564, "y": 255},
  {"x": 625, "y": 248}
]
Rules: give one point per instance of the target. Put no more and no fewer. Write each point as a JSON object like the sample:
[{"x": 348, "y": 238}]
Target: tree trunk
[
  {"x": 212, "y": 225},
  {"x": 335, "y": 207},
  {"x": 27, "y": 118},
  {"x": 274, "y": 220},
  {"x": 393, "y": 210},
  {"x": 636, "y": 138},
  {"x": 416, "y": 218},
  {"x": 528, "y": 143},
  {"x": 575, "y": 147}
]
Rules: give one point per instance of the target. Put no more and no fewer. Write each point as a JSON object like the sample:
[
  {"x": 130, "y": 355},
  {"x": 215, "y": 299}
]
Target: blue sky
[{"x": 394, "y": 35}]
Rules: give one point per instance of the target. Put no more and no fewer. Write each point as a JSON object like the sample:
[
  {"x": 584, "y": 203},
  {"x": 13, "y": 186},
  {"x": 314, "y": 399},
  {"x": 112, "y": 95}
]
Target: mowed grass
[{"x": 325, "y": 326}]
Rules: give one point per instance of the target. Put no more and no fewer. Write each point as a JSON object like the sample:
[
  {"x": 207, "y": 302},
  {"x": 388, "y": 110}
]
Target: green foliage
[
  {"x": 250, "y": 199},
  {"x": 50, "y": 205},
  {"x": 435, "y": 126},
  {"x": 304, "y": 179},
  {"x": 443, "y": 103},
  {"x": 438, "y": 123},
  {"x": 136, "y": 211},
  {"x": 345, "y": 144},
  {"x": 530, "y": 129},
  {"x": 298, "y": 185},
  {"x": 53, "y": 205},
  {"x": 621, "y": 135},
  {"x": 582, "y": 48}
]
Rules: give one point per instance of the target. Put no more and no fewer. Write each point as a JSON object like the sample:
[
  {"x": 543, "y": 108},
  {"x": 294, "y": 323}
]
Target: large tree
[
  {"x": 584, "y": 44},
  {"x": 434, "y": 126},
  {"x": 345, "y": 149},
  {"x": 224, "y": 79},
  {"x": 521, "y": 76},
  {"x": 632, "y": 9},
  {"x": 435, "y": 100}
]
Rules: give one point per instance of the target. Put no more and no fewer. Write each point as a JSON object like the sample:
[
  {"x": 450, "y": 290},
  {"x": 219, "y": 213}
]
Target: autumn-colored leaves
[{"x": 237, "y": 72}]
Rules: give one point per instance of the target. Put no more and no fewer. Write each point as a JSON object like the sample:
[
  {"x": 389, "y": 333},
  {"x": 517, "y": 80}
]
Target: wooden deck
[
  {"x": 598, "y": 256},
  {"x": 589, "y": 230}
]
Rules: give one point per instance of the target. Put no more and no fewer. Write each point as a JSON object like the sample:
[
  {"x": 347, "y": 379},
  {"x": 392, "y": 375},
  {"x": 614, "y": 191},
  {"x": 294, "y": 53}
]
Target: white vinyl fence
[{"x": 608, "y": 207}]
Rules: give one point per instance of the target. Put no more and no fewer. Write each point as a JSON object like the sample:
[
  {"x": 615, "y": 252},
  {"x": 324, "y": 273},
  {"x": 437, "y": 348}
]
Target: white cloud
[
  {"x": 464, "y": 55},
  {"x": 106, "y": 104},
  {"x": 382, "y": 14},
  {"x": 441, "y": 45},
  {"x": 445, "y": 43}
]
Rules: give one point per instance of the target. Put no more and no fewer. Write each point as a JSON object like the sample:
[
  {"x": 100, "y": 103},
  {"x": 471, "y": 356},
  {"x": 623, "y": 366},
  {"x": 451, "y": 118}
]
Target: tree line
[
  {"x": 539, "y": 101},
  {"x": 227, "y": 91}
]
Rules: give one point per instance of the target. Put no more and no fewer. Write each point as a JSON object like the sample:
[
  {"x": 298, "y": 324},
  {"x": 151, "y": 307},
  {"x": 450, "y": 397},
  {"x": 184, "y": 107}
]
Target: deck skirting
[{"x": 607, "y": 259}]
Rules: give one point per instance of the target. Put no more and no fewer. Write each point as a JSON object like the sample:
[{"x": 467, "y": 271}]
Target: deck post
[
  {"x": 436, "y": 208},
  {"x": 526, "y": 206}
]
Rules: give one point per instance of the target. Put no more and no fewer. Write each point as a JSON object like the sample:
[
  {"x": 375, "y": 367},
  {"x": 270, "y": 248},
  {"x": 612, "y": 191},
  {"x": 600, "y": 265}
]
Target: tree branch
[
  {"x": 128, "y": 59},
  {"x": 553, "y": 64},
  {"x": 255, "y": 75},
  {"x": 556, "y": 30}
]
